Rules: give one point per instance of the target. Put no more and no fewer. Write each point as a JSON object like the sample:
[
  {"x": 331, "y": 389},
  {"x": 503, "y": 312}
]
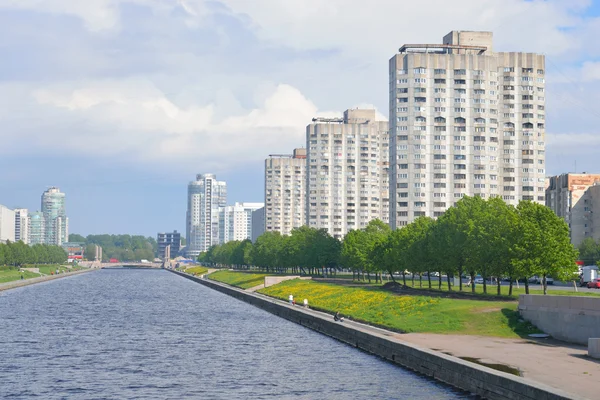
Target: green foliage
[
  {"x": 196, "y": 270},
  {"x": 18, "y": 254},
  {"x": 121, "y": 247},
  {"x": 589, "y": 251}
]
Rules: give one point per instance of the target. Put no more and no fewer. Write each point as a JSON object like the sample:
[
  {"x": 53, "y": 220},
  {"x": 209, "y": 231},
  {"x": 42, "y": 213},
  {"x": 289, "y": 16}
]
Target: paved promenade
[
  {"x": 32, "y": 281},
  {"x": 553, "y": 363}
]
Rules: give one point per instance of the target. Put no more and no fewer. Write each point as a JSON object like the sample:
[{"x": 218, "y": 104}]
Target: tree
[
  {"x": 543, "y": 247},
  {"x": 589, "y": 251}
]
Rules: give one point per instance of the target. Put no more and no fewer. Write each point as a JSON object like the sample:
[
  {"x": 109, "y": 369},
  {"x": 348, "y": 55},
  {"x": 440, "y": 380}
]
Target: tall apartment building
[
  {"x": 171, "y": 240},
  {"x": 235, "y": 222},
  {"x": 7, "y": 224},
  {"x": 464, "y": 120},
  {"x": 205, "y": 195},
  {"x": 347, "y": 172},
  {"x": 21, "y": 225},
  {"x": 258, "y": 223},
  {"x": 576, "y": 199},
  {"x": 36, "y": 225},
  {"x": 284, "y": 191},
  {"x": 56, "y": 221}
]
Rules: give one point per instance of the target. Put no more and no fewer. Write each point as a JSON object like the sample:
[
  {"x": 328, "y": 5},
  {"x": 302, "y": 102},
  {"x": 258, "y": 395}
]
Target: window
[
  {"x": 440, "y": 120},
  {"x": 440, "y": 109},
  {"x": 439, "y": 176},
  {"x": 460, "y": 120},
  {"x": 459, "y": 110},
  {"x": 439, "y": 81},
  {"x": 420, "y": 119},
  {"x": 420, "y": 80},
  {"x": 439, "y": 71},
  {"x": 439, "y": 100},
  {"x": 420, "y": 70},
  {"x": 460, "y": 82},
  {"x": 401, "y": 81},
  {"x": 402, "y": 100},
  {"x": 420, "y": 90},
  {"x": 460, "y": 72}
]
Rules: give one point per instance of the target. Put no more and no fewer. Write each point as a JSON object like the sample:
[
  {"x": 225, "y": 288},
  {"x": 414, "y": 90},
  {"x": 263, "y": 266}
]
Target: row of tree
[
  {"x": 17, "y": 254},
  {"x": 475, "y": 237},
  {"x": 121, "y": 247}
]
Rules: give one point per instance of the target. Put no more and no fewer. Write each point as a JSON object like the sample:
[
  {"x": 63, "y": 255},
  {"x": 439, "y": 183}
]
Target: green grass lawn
[
  {"x": 48, "y": 269},
  {"x": 196, "y": 270},
  {"x": 408, "y": 313},
  {"x": 492, "y": 289},
  {"x": 243, "y": 280},
  {"x": 15, "y": 275}
]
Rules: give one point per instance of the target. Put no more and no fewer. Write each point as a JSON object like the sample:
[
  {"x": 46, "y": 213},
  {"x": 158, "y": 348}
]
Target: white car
[{"x": 538, "y": 280}]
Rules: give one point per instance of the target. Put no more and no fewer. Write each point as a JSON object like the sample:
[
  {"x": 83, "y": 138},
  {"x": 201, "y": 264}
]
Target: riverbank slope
[{"x": 32, "y": 281}]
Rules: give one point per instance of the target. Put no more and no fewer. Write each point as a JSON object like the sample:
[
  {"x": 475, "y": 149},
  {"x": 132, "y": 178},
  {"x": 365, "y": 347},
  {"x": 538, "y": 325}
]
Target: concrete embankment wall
[
  {"x": 570, "y": 318},
  {"x": 483, "y": 381},
  {"x": 32, "y": 281}
]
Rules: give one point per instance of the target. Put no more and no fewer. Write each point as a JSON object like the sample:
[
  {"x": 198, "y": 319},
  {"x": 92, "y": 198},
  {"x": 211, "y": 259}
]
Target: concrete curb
[
  {"x": 485, "y": 382},
  {"x": 46, "y": 278}
]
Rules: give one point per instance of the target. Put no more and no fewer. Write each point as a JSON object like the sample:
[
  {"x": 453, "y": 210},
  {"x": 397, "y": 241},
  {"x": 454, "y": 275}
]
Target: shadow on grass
[{"x": 518, "y": 325}]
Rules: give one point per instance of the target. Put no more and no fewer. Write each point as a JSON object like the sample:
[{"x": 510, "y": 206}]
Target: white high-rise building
[
  {"x": 7, "y": 224},
  {"x": 347, "y": 171},
  {"x": 235, "y": 222},
  {"x": 464, "y": 120},
  {"x": 22, "y": 225},
  {"x": 205, "y": 196},
  {"x": 285, "y": 177}
]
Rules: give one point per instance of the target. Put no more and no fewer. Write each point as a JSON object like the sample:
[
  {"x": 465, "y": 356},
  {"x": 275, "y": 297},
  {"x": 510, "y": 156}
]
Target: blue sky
[{"x": 121, "y": 102}]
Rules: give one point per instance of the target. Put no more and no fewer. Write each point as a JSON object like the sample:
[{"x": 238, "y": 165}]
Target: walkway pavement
[{"x": 556, "y": 364}]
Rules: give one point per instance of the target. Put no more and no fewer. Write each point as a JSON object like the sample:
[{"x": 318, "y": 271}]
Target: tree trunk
[
  {"x": 484, "y": 284},
  {"x": 526, "y": 285},
  {"x": 545, "y": 284},
  {"x": 404, "y": 277},
  {"x": 440, "y": 281},
  {"x": 429, "y": 278},
  {"x": 369, "y": 276},
  {"x": 420, "y": 281},
  {"x": 412, "y": 277},
  {"x": 448, "y": 280},
  {"x": 460, "y": 273},
  {"x": 392, "y": 276},
  {"x": 472, "y": 273},
  {"x": 510, "y": 287},
  {"x": 499, "y": 288}
]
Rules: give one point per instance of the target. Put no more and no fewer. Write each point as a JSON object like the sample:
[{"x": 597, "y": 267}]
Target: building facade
[
  {"x": 169, "y": 239},
  {"x": 235, "y": 222},
  {"x": 7, "y": 224},
  {"x": 285, "y": 185},
  {"x": 22, "y": 225},
  {"x": 464, "y": 120},
  {"x": 347, "y": 172},
  {"x": 55, "y": 217},
  {"x": 258, "y": 223},
  {"x": 36, "y": 224},
  {"x": 205, "y": 195},
  {"x": 575, "y": 198}
]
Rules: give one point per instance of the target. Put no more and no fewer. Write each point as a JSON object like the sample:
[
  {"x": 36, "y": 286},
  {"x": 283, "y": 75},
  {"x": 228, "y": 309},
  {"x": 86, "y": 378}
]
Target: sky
[{"x": 120, "y": 103}]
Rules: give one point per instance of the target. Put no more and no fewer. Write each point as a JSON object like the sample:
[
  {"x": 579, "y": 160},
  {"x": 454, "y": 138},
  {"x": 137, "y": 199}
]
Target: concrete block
[
  {"x": 575, "y": 303},
  {"x": 590, "y": 303},
  {"x": 594, "y": 347}
]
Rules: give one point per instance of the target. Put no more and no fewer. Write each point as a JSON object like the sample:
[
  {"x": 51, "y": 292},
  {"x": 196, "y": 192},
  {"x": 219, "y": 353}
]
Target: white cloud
[{"x": 133, "y": 117}]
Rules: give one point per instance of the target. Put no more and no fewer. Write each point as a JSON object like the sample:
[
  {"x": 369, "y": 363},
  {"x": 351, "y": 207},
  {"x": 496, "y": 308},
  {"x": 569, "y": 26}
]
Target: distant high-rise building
[
  {"x": 22, "y": 225},
  {"x": 347, "y": 172},
  {"x": 7, "y": 224},
  {"x": 169, "y": 239},
  {"x": 36, "y": 225},
  {"x": 285, "y": 185},
  {"x": 576, "y": 199},
  {"x": 205, "y": 196},
  {"x": 235, "y": 222},
  {"x": 258, "y": 223},
  {"x": 55, "y": 216},
  {"x": 464, "y": 120}
]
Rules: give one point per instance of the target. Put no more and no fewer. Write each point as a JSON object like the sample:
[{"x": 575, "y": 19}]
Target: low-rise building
[
  {"x": 575, "y": 197},
  {"x": 172, "y": 240}
]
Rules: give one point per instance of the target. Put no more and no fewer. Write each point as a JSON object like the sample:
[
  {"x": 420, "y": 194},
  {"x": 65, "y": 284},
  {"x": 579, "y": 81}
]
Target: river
[{"x": 150, "y": 334}]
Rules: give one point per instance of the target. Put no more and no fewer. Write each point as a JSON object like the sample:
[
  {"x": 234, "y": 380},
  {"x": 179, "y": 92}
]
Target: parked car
[
  {"x": 595, "y": 284},
  {"x": 538, "y": 280},
  {"x": 479, "y": 279}
]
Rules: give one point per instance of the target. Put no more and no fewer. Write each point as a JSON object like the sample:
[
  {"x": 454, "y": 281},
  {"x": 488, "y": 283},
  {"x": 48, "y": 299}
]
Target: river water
[{"x": 149, "y": 334}]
